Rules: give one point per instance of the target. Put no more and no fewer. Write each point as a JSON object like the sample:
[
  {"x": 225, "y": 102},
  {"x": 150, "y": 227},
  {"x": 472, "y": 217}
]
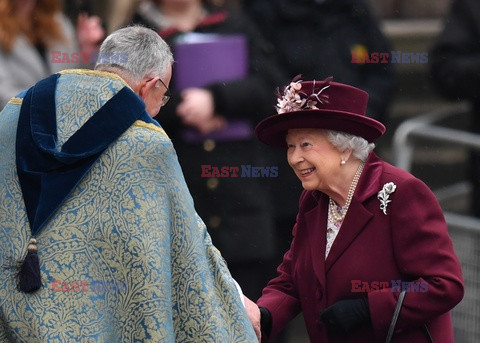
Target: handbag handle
[
  {"x": 396, "y": 313},
  {"x": 393, "y": 323}
]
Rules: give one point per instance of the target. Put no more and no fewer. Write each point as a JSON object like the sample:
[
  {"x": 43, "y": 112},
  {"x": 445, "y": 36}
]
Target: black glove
[
  {"x": 265, "y": 321},
  {"x": 346, "y": 315}
]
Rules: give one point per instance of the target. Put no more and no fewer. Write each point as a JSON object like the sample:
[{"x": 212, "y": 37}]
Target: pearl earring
[{"x": 343, "y": 162}]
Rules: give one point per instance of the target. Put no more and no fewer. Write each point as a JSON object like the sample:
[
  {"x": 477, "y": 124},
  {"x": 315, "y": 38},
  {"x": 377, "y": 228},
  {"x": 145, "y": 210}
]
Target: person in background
[
  {"x": 95, "y": 209},
  {"x": 320, "y": 38},
  {"x": 30, "y": 31},
  {"x": 365, "y": 231},
  {"x": 112, "y": 13},
  {"x": 212, "y": 126},
  {"x": 455, "y": 70}
]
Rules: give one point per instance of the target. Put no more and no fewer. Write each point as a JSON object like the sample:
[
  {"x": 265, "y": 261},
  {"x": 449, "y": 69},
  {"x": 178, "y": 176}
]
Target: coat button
[
  {"x": 212, "y": 183},
  {"x": 209, "y": 145}
]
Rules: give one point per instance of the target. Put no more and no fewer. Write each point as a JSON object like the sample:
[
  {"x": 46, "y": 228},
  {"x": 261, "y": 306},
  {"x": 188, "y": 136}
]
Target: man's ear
[{"x": 144, "y": 86}]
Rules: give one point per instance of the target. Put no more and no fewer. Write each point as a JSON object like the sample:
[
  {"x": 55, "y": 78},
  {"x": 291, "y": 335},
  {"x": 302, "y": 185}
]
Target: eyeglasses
[{"x": 167, "y": 94}]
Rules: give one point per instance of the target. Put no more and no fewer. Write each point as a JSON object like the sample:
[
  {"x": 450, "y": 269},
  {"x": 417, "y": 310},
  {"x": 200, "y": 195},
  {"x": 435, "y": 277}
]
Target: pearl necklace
[{"x": 333, "y": 208}]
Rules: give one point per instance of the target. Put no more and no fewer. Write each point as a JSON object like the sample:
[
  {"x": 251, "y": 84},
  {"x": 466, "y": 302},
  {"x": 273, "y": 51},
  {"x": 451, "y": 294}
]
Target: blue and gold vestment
[{"x": 128, "y": 222}]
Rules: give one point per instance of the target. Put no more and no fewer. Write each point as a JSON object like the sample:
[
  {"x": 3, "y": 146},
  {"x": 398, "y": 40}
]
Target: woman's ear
[{"x": 345, "y": 156}]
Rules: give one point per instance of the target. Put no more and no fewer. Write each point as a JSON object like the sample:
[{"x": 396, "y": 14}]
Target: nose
[{"x": 294, "y": 156}]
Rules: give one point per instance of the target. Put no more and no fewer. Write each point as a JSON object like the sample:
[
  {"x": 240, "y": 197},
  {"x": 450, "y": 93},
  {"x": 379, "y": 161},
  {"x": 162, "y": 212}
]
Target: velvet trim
[{"x": 48, "y": 175}]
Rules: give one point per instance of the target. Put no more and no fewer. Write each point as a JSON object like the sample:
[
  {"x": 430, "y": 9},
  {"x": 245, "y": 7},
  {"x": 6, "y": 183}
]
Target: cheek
[
  {"x": 328, "y": 167},
  {"x": 151, "y": 107},
  {"x": 289, "y": 158},
  {"x": 154, "y": 104}
]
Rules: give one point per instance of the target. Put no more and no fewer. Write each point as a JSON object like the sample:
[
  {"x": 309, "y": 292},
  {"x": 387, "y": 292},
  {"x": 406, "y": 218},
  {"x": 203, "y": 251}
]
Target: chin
[{"x": 308, "y": 186}]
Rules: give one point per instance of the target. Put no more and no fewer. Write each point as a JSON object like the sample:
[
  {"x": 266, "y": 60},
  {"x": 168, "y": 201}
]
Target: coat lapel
[
  {"x": 315, "y": 222},
  {"x": 354, "y": 223},
  {"x": 358, "y": 215}
]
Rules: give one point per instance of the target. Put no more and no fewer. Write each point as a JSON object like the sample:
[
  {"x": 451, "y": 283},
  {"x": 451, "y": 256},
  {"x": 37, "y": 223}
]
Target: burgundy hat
[{"x": 319, "y": 104}]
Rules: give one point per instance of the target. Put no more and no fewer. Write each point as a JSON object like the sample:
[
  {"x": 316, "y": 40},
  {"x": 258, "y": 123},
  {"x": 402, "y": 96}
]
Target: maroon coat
[{"x": 372, "y": 251}]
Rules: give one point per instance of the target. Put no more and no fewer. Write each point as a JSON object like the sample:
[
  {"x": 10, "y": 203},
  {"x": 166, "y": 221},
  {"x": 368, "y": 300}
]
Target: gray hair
[
  {"x": 137, "y": 51},
  {"x": 343, "y": 141}
]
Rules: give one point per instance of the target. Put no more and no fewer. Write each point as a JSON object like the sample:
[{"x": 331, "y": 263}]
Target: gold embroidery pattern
[
  {"x": 90, "y": 72},
  {"x": 176, "y": 289},
  {"x": 149, "y": 126},
  {"x": 72, "y": 97},
  {"x": 15, "y": 101}
]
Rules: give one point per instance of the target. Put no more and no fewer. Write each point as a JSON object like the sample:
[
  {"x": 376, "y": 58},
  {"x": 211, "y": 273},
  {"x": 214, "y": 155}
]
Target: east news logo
[
  {"x": 361, "y": 55},
  {"x": 245, "y": 170}
]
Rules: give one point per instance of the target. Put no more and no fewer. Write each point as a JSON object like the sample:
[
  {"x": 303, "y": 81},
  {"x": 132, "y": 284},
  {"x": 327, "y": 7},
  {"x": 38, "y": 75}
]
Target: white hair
[
  {"x": 361, "y": 148},
  {"x": 137, "y": 51}
]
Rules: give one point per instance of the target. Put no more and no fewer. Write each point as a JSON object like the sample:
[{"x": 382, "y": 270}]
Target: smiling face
[{"x": 315, "y": 161}]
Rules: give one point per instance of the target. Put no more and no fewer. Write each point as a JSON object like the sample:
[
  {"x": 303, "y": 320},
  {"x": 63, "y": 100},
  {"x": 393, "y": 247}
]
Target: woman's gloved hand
[{"x": 346, "y": 315}]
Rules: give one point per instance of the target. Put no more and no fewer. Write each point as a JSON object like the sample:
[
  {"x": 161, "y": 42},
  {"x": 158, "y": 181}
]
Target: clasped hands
[
  {"x": 197, "y": 110},
  {"x": 343, "y": 316}
]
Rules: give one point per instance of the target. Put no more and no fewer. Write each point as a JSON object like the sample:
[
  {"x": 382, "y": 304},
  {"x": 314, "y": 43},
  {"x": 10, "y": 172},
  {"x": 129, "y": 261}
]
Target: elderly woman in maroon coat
[{"x": 365, "y": 229}]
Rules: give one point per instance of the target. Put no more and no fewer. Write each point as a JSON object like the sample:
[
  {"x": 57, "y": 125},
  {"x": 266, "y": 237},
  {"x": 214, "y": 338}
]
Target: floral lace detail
[
  {"x": 333, "y": 228},
  {"x": 294, "y": 98}
]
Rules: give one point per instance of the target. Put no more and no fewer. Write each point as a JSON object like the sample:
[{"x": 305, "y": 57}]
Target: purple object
[
  {"x": 202, "y": 59},
  {"x": 236, "y": 130}
]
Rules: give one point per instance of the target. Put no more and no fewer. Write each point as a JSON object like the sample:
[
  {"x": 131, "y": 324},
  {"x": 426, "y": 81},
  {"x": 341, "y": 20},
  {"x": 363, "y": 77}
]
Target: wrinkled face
[{"x": 313, "y": 158}]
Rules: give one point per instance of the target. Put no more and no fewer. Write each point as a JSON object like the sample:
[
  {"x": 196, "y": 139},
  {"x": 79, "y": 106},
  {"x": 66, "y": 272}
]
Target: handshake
[{"x": 343, "y": 316}]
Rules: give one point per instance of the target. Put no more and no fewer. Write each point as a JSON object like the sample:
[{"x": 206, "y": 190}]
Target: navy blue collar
[{"x": 47, "y": 175}]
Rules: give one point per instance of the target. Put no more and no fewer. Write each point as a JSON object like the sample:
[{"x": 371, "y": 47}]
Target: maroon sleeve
[{"x": 424, "y": 253}]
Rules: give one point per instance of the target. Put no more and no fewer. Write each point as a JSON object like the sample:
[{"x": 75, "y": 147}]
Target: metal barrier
[
  {"x": 426, "y": 126},
  {"x": 464, "y": 229}
]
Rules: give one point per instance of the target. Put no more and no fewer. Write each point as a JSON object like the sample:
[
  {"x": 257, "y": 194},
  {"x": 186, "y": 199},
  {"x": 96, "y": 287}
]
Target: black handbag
[{"x": 396, "y": 313}]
